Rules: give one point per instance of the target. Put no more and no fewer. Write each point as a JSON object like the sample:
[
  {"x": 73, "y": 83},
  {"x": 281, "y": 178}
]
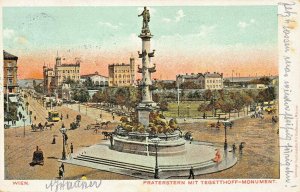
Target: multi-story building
[
  {"x": 198, "y": 79},
  {"x": 203, "y": 80},
  {"x": 10, "y": 73},
  {"x": 55, "y": 77},
  {"x": 49, "y": 80},
  {"x": 97, "y": 79},
  {"x": 122, "y": 75},
  {"x": 213, "y": 80}
]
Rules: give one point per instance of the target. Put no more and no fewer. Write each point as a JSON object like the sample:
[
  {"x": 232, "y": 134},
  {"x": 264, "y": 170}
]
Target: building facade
[
  {"x": 213, "y": 80},
  {"x": 203, "y": 80},
  {"x": 122, "y": 75},
  {"x": 49, "y": 80},
  {"x": 55, "y": 77},
  {"x": 97, "y": 79},
  {"x": 10, "y": 73}
]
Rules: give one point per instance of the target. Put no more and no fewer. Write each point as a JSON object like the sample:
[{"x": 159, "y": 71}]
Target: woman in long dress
[{"x": 218, "y": 157}]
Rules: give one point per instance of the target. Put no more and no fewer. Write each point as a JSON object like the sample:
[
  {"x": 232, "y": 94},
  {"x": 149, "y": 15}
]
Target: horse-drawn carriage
[
  {"x": 37, "y": 157},
  {"x": 76, "y": 123}
]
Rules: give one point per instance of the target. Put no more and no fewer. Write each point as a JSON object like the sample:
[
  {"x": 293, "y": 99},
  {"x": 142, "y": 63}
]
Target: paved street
[{"x": 259, "y": 160}]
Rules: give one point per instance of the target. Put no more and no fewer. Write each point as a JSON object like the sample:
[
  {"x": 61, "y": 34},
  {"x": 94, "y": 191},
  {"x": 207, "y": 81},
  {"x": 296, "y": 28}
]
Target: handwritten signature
[{"x": 62, "y": 185}]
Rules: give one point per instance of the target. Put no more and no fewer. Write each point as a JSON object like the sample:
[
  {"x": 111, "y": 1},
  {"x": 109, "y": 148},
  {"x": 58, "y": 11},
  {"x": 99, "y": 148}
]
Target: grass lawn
[
  {"x": 190, "y": 109},
  {"x": 186, "y": 109}
]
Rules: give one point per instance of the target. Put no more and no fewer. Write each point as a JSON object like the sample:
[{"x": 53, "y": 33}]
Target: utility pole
[{"x": 178, "y": 100}]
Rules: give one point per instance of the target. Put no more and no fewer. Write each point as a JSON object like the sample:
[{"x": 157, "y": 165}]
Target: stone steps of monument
[
  {"x": 141, "y": 168},
  {"x": 115, "y": 163},
  {"x": 202, "y": 165}
]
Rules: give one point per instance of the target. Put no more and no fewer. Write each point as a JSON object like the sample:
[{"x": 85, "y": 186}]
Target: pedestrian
[
  {"x": 100, "y": 116},
  {"x": 233, "y": 147},
  {"x": 61, "y": 117},
  {"x": 67, "y": 116},
  {"x": 60, "y": 173},
  {"x": 66, "y": 138},
  {"x": 34, "y": 118},
  {"x": 218, "y": 157},
  {"x": 111, "y": 140},
  {"x": 241, "y": 148},
  {"x": 113, "y": 117},
  {"x": 63, "y": 167},
  {"x": 71, "y": 147},
  {"x": 203, "y": 115},
  {"x": 192, "y": 173},
  {"x": 53, "y": 140}
]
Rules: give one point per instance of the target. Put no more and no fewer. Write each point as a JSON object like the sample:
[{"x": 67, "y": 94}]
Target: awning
[{"x": 13, "y": 99}]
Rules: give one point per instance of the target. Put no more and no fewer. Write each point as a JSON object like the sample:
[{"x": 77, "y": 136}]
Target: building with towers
[
  {"x": 122, "y": 75},
  {"x": 55, "y": 77}
]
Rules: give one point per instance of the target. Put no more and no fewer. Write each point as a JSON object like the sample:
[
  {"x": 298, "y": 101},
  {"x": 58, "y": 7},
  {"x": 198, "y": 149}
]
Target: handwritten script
[
  {"x": 62, "y": 185},
  {"x": 287, "y": 129}
]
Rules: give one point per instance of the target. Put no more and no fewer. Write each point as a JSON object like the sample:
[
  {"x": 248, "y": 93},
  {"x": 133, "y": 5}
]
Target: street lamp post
[
  {"x": 156, "y": 141},
  {"x": 63, "y": 131},
  {"x": 188, "y": 108},
  {"x": 178, "y": 100},
  {"x": 225, "y": 142},
  {"x": 24, "y": 120}
]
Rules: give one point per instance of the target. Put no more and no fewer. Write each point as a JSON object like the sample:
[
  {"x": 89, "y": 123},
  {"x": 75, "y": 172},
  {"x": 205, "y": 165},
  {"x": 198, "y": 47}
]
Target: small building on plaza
[
  {"x": 257, "y": 86},
  {"x": 122, "y": 75},
  {"x": 10, "y": 73},
  {"x": 97, "y": 79}
]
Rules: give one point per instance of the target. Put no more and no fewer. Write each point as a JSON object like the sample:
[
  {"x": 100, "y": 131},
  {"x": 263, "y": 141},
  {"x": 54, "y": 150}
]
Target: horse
[
  {"x": 106, "y": 134},
  {"x": 48, "y": 125},
  {"x": 215, "y": 125},
  {"x": 105, "y": 123}
]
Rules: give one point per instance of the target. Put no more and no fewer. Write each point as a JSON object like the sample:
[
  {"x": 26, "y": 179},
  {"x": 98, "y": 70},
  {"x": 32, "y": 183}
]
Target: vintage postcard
[{"x": 150, "y": 96}]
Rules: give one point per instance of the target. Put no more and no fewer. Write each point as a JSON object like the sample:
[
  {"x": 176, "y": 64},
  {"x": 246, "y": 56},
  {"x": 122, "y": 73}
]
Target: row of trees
[
  {"x": 128, "y": 97},
  {"x": 234, "y": 101}
]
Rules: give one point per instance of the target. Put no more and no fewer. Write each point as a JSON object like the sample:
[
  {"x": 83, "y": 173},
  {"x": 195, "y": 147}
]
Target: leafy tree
[
  {"x": 81, "y": 95},
  {"x": 163, "y": 105},
  {"x": 262, "y": 80},
  {"x": 204, "y": 107},
  {"x": 207, "y": 95},
  {"x": 238, "y": 102},
  {"x": 189, "y": 85},
  {"x": 248, "y": 100},
  {"x": 266, "y": 95},
  {"x": 226, "y": 82},
  {"x": 89, "y": 83},
  {"x": 227, "y": 105}
]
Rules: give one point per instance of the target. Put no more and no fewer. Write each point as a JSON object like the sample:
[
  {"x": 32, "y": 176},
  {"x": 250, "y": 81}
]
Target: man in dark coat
[{"x": 192, "y": 173}]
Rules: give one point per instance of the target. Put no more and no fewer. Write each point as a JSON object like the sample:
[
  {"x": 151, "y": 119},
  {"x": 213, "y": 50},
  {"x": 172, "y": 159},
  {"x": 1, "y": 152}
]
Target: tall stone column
[{"x": 147, "y": 103}]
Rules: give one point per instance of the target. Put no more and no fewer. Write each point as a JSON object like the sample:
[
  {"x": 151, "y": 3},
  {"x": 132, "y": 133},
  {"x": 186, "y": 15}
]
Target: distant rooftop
[
  {"x": 197, "y": 75},
  {"x": 70, "y": 65},
  {"x": 92, "y": 74},
  {"x": 118, "y": 64},
  {"x": 7, "y": 55}
]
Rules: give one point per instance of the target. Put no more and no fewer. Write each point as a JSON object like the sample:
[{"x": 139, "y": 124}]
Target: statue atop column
[{"x": 146, "y": 18}]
